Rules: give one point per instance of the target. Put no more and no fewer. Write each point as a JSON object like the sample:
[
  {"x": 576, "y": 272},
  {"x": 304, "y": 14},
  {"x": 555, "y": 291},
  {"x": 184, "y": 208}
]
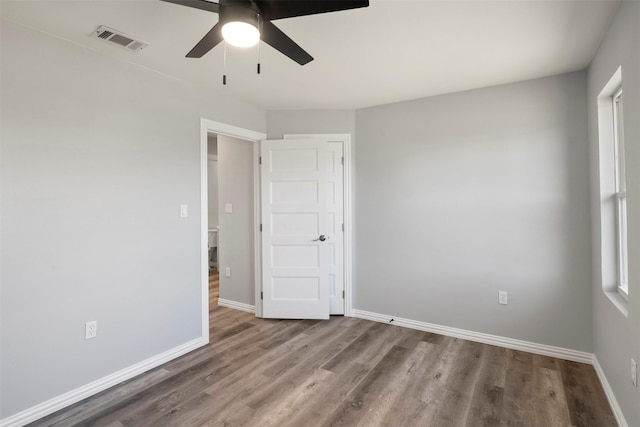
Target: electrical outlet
[
  {"x": 634, "y": 373},
  {"x": 502, "y": 297},
  {"x": 90, "y": 329},
  {"x": 227, "y": 271}
]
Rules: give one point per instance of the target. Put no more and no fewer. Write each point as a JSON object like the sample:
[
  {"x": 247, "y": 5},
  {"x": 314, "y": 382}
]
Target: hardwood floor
[
  {"x": 214, "y": 288},
  {"x": 345, "y": 372}
]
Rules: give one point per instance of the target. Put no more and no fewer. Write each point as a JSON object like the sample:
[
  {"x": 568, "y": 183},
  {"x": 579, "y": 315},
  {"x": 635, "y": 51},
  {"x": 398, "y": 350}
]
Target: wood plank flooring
[
  {"x": 345, "y": 372},
  {"x": 214, "y": 289}
]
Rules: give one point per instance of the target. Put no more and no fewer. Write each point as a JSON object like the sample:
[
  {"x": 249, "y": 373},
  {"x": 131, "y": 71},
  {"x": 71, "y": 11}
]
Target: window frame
[{"x": 622, "y": 258}]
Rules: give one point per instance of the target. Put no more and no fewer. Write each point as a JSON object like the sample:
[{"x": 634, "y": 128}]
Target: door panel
[{"x": 295, "y": 261}]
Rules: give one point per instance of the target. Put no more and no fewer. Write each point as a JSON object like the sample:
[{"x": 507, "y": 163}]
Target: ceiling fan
[{"x": 244, "y": 22}]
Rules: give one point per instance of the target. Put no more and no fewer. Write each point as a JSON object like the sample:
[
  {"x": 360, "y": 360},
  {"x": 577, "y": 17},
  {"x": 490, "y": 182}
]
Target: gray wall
[
  {"x": 212, "y": 182},
  {"x": 212, "y": 190},
  {"x": 96, "y": 157},
  {"x": 462, "y": 195},
  {"x": 309, "y": 121},
  {"x": 236, "y": 242},
  {"x": 212, "y": 144},
  {"x": 616, "y": 337}
]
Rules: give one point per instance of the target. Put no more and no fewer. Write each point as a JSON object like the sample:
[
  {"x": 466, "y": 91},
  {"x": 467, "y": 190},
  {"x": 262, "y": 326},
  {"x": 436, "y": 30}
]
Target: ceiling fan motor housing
[{"x": 239, "y": 12}]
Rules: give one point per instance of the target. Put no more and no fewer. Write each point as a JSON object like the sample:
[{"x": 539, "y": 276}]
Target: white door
[
  {"x": 295, "y": 233},
  {"x": 336, "y": 219}
]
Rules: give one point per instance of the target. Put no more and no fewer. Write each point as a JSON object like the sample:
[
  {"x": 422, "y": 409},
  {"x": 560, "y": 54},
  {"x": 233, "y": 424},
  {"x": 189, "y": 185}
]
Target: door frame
[{"x": 207, "y": 127}]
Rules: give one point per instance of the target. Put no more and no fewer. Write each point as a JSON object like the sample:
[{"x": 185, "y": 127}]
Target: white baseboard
[
  {"x": 542, "y": 349},
  {"x": 52, "y": 405},
  {"x": 237, "y": 305},
  {"x": 615, "y": 407}
]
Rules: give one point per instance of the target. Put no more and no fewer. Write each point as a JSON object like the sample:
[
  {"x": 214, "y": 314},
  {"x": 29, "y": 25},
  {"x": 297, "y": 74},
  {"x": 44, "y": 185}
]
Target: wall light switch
[
  {"x": 227, "y": 271},
  {"x": 228, "y": 208},
  {"x": 184, "y": 211}
]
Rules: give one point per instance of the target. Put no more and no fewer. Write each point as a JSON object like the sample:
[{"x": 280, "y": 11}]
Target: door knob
[{"x": 322, "y": 238}]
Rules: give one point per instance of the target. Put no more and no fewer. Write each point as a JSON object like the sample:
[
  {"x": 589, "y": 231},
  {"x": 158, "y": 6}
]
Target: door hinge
[
  {"x": 342, "y": 294},
  {"x": 342, "y": 160},
  {"x": 260, "y": 227},
  {"x": 260, "y": 160},
  {"x": 342, "y": 227},
  {"x": 261, "y": 295}
]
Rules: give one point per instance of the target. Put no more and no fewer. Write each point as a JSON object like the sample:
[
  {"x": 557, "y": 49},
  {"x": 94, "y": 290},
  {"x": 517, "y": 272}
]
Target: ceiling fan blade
[
  {"x": 279, "y": 9},
  {"x": 197, "y": 4},
  {"x": 272, "y": 36},
  {"x": 208, "y": 42}
]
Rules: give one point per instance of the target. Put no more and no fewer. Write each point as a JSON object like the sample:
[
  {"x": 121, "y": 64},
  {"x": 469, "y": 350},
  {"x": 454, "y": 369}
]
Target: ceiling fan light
[{"x": 240, "y": 34}]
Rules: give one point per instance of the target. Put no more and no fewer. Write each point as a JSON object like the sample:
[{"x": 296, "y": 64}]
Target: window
[
  {"x": 620, "y": 195},
  {"x": 613, "y": 197}
]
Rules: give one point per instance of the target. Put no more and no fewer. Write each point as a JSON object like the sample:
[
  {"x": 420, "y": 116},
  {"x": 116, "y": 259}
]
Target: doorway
[
  {"x": 237, "y": 219},
  {"x": 213, "y": 223},
  {"x": 210, "y": 127}
]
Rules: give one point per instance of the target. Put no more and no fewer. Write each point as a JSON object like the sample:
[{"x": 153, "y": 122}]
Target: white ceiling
[{"x": 393, "y": 50}]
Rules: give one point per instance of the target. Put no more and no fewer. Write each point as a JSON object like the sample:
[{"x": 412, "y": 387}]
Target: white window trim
[
  {"x": 622, "y": 258},
  {"x": 611, "y": 192}
]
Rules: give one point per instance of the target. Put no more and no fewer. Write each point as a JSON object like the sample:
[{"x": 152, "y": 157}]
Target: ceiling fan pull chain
[
  {"x": 224, "y": 64},
  {"x": 258, "y": 46},
  {"x": 258, "y": 58}
]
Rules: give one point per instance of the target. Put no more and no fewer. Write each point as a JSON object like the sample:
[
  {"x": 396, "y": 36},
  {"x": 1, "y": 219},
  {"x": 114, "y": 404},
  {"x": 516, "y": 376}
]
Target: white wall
[
  {"x": 462, "y": 195},
  {"x": 236, "y": 238},
  {"x": 96, "y": 157},
  {"x": 617, "y": 337}
]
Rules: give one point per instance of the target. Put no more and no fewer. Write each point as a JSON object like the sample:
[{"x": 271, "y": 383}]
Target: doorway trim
[{"x": 207, "y": 127}]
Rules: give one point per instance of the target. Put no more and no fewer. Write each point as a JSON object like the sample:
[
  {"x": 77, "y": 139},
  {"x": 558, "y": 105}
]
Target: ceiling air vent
[{"x": 119, "y": 38}]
